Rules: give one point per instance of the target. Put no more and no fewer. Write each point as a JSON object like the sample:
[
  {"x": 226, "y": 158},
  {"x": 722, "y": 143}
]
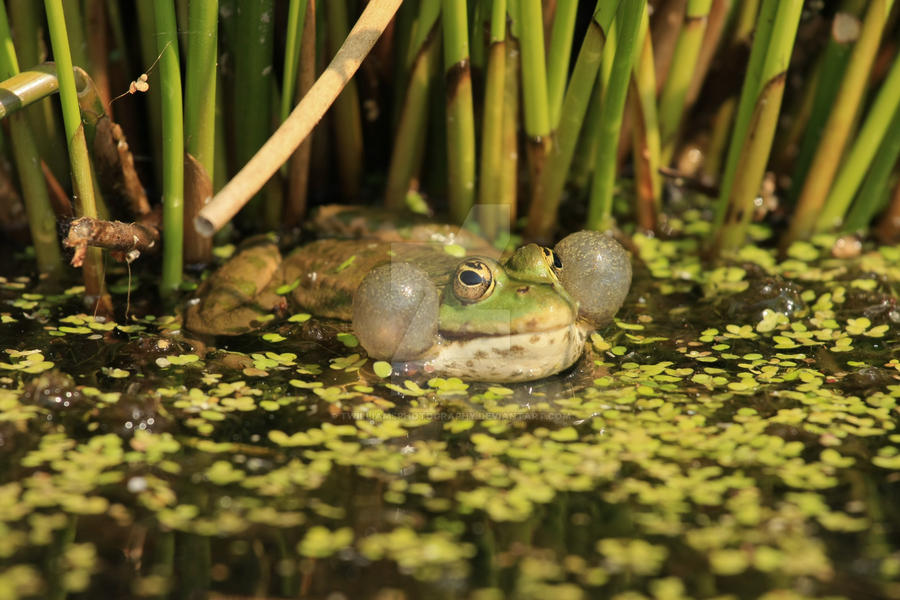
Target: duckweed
[{"x": 710, "y": 444}]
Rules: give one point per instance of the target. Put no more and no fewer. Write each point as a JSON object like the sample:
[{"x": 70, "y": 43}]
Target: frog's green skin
[{"x": 527, "y": 327}]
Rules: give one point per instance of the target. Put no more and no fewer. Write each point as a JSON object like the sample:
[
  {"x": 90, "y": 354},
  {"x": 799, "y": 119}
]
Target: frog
[{"x": 432, "y": 296}]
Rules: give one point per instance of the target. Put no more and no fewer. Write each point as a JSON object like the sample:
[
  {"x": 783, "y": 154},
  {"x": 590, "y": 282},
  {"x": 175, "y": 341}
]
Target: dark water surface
[{"x": 733, "y": 434}]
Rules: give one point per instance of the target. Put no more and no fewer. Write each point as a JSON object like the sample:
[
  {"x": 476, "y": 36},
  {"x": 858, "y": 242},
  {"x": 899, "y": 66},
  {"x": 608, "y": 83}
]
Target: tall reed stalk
[
  {"x": 583, "y": 83},
  {"x": 873, "y": 194},
  {"x": 200, "y": 120},
  {"x": 646, "y": 134},
  {"x": 559, "y": 55},
  {"x": 839, "y": 124},
  {"x": 409, "y": 142},
  {"x": 492, "y": 213},
  {"x": 253, "y": 86},
  {"x": 684, "y": 61},
  {"x": 172, "y": 146},
  {"x": 85, "y": 205},
  {"x": 41, "y": 220},
  {"x": 858, "y": 160},
  {"x": 460, "y": 112},
  {"x": 755, "y": 148},
  {"x": 538, "y": 128},
  {"x": 295, "y": 22},
  {"x": 347, "y": 117},
  {"x": 628, "y": 19},
  {"x": 823, "y": 88}
]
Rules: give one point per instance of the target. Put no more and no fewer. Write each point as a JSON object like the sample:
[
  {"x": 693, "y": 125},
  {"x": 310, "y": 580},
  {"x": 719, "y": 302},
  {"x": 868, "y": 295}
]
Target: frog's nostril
[{"x": 524, "y": 289}]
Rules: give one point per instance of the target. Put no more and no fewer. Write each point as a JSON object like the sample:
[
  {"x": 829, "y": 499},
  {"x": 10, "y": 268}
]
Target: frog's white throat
[{"x": 508, "y": 358}]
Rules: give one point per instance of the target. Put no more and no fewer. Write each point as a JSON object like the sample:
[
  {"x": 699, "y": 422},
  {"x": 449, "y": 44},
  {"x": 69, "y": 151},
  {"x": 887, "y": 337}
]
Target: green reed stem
[
  {"x": 460, "y": 112},
  {"x": 85, "y": 205},
  {"x": 628, "y": 20},
  {"x": 534, "y": 72},
  {"x": 296, "y": 18},
  {"x": 200, "y": 83},
  {"x": 888, "y": 229},
  {"x": 41, "y": 220},
  {"x": 404, "y": 24},
  {"x": 253, "y": 80},
  {"x": 684, "y": 62},
  {"x": 542, "y": 216},
  {"x": 827, "y": 83},
  {"x": 749, "y": 94},
  {"x": 75, "y": 30},
  {"x": 491, "y": 215},
  {"x": 298, "y": 168},
  {"x": 200, "y": 121},
  {"x": 840, "y": 121},
  {"x": 347, "y": 117},
  {"x": 27, "y": 17},
  {"x": 153, "y": 96},
  {"x": 646, "y": 135},
  {"x": 582, "y": 168},
  {"x": 508, "y": 188},
  {"x": 559, "y": 56},
  {"x": 172, "y": 146},
  {"x": 476, "y": 36},
  {"x": 746, "y": 18},
  {"x": 858, "y": 160},
  {"x": 409, "y": 142},
  {"x": 876, "y": 187},
  {"x": 754, "y": 156}
]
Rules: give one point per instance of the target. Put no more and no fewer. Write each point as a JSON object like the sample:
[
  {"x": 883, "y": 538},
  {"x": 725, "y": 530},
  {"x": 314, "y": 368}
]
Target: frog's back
[{"x": 328, "y": 272}]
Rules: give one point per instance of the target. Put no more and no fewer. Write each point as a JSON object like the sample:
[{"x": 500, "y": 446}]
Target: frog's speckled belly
[{"x": 509, "y": 358}]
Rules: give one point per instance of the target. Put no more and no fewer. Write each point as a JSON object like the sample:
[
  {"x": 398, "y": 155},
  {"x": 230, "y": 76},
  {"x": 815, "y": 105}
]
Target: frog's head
[{"x": 521, "y": 320}]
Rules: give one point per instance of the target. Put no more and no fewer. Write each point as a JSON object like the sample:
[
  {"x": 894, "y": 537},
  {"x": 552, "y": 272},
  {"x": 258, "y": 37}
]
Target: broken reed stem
[
  {"x": 112, "y": 235},
  {"x": 303, "y": 118}
]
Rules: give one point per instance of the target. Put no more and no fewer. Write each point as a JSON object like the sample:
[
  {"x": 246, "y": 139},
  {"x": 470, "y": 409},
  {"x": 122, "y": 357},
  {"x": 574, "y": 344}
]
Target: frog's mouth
[{"x": 509, "y": 357}]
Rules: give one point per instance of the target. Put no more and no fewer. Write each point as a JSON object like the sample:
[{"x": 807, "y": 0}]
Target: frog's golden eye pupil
[
  {"x": 557, "y": 264},
  {"x": 474, "y": 281}
]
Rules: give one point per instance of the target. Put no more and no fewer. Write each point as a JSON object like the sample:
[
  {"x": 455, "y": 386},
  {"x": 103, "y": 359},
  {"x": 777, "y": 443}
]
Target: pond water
[{"x": 732, "y": 434}]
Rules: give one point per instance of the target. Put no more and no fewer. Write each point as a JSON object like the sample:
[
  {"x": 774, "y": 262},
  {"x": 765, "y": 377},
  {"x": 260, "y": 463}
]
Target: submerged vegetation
[{"x": 732, "y": 434}]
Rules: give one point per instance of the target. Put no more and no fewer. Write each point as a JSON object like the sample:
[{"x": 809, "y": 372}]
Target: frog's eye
[
  {"x": 552, "y": 259},
  {"x": 473, "y": 281}
]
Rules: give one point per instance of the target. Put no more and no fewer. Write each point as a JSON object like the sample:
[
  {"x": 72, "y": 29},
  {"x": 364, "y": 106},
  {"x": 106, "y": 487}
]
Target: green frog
[{"x": 430, "y": 295}]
